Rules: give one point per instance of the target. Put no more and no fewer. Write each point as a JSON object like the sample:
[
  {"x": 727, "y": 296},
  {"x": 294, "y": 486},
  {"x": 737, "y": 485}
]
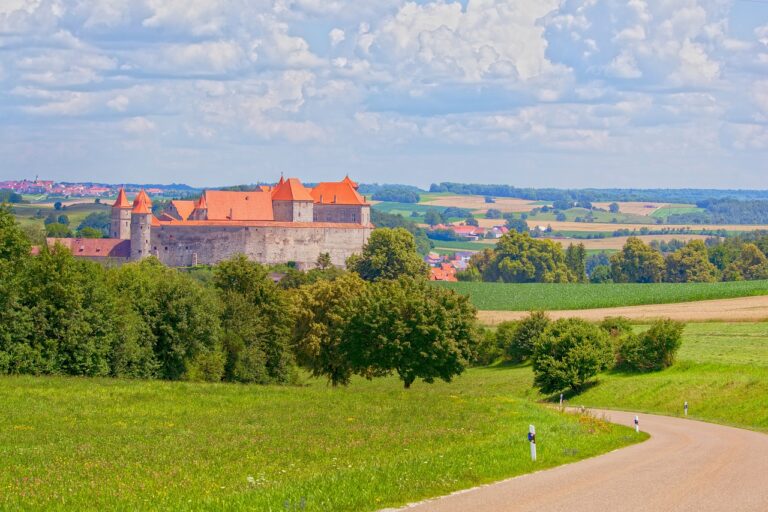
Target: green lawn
[
  {"x": 526, "y": 297},
  {"x": 25, "y": 213},
  {"x": 722, "y": 372},
  {"x": 98, "y": 444}
]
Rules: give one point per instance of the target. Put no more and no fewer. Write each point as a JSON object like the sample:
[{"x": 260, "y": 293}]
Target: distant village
[
  {"x": 53, "y": 188},
  {"x": 443, "y": 267}
]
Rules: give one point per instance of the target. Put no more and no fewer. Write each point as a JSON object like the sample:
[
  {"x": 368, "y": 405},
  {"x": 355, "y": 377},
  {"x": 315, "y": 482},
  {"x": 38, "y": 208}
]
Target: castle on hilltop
[{"x": 285, "y": 223}]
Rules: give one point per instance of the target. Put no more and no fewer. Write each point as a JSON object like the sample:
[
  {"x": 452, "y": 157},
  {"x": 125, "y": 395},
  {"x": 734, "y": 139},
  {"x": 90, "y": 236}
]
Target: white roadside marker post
[
  {"x": 561, "y": 400},
  {"x": 532, "y": 440},
  {"x": 637, "y": 424},
  {"x": 685, "y": 408}
]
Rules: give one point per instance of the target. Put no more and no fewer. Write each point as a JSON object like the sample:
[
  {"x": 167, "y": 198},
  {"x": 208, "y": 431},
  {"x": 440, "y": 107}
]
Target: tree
[
  {"x": 519, "y": 338},
  {"x": 576, "y": 260},
  {"x": 56, "y": 230},
  {"x": 614, "y": 208},
  {"x": 637, "y": 263},
  {"x": 414, "y": 329},
  {"x": 389, "y": 220},
  {"x": 433, "y": 218},
  {"x": 322, "y": 312},
  {"x": 751, "y": 264},
  {"x": 99, "y": 221},
  {"x": 389, "y": 254},
  {"x": 89, "y": 233},
  {"x": 601, "y": 274},
  {"x": 493, "y": 213},
  {"x": 324, "y": 261},
  {"x": 256, "y": 323},
  {"x": 180, "y": 317},
  {"x": 57, "y": 205},
  {"x": 568, "y": 354},
  {"x": 14, "y": 245},
  {"x": 652, "y": 350},
  {"x": 63, "y": 219},
  {"x": 561, "y": 217},
  {"x": 690, "y": 264},
  {"x": 519, "y": 258},
  {"x": 471, "y": 221}
]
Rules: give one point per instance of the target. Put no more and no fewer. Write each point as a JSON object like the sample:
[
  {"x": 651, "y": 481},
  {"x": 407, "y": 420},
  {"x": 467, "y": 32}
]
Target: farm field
[
  {"x": 477, "y": 203},
  {"x": 741, "y": 309},
  {"x": 602, "y": 226},
  {"x": 615, "y": 243},
  {"x": 539, "y": 296},
  {"x": 97, "y": 444},
  {"x": 722, "y": 372},
  {"x": 25, "y": 213}
]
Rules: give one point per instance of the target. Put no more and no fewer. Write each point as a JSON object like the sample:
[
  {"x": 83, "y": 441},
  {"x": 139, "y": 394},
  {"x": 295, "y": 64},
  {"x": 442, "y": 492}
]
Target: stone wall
[
  {"x": 181, "y": 246},
  {"x": 342, "y": 213}
]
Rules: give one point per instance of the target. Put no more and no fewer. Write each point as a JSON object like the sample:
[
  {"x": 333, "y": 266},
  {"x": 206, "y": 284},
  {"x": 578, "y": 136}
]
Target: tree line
[
  {"x": 521, "y": 258},
  {"x": 61, "y": 315}
]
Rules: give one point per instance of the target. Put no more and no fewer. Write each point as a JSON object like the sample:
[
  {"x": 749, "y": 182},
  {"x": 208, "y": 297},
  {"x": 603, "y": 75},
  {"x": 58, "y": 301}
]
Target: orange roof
[
  {"x": 183, "y": 208},
  {"x": 224, "y": 205},
  {"x": 95, "y": 247},
  {"x": 142, "y": 203},
  {"x": 122, "y": 200},
  {"x": 340, "y": 192},
  {"x": 351, "y": 183},
  {"x": 262, "y": 224},
  {"x": 265, "y": 188},
  {"x": 291, "y": 190},
  {"x": 201, "y": 203}
]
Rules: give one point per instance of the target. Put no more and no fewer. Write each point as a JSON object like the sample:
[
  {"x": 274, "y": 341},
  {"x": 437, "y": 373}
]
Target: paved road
[{"x": 685, "y": 466}]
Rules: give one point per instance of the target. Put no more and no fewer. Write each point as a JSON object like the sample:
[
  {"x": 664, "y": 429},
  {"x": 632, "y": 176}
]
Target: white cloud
[
  {"x": 624, "y": 65},
  {"x": 138, "y": 126},
  {"x": 336, "y": 36}
]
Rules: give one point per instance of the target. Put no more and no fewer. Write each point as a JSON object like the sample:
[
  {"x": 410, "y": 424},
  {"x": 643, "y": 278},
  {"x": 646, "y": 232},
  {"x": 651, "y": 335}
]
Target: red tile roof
[
  {"x": 95, "y": 247},
  {"x": 142, "y": 203},
  {"x": 340, "y": 192},
  {"x": 347, "y": 180},
  {"x": 291, "y": 190},
  {"x": 183, "y": 208},
  {"x": 262, "y": 224},
  {"x": 224, "y": 205},
  {"x": 122, "y": 200}
]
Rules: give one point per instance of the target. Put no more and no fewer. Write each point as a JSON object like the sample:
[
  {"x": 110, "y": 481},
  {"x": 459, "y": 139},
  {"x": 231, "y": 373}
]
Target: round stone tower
[
  {"x": 121, "y": 217},
  {"x": 141, "y": 227}
]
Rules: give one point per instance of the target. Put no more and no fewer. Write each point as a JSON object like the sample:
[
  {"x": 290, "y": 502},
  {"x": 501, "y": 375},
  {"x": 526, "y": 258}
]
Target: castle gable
[
  {"x": 291, "y": 190},
  {"x": 182, "y": 209},
  {"x": 341, "y": 192},
  {"x": 224, "y": 205}
]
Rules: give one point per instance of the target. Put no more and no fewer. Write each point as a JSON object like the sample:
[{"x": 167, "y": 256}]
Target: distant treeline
[
  {"x": 687, "y": 195},
  {"x": 725, "y": 211}
]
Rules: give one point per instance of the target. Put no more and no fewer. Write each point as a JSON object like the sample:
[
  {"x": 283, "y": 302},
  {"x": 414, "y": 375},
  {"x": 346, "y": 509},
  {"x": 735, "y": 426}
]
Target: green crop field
[
  {"x": 722, "y": 373},
  {"x": 25, "y": 213},
  {"x": 665, "y": 211},
  {"x": 573, "y": 213},
  {"x": 99, "y": 444},
  {"x": 537, "y": 296}
]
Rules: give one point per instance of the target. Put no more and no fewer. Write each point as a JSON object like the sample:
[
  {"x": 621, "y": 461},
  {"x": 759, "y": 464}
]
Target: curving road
[{"x": 685, "y": 466}]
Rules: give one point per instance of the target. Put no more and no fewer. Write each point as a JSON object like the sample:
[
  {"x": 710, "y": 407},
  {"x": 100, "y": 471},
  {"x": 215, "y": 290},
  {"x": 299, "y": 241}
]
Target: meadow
[
  {"x": 722, "y": 372},
  {"x": 96, "y": 444},
  {"x": 539, "y": 296},
  {"x": 25, "y": 213}
]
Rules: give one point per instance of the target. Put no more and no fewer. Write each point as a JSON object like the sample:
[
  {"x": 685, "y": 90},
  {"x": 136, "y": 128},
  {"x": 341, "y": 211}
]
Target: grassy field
[
  {"x": 25, "y": 213},
  {"x": 604, "y": 217},
  {"x": 722, "y": 372},
  {"x": 526, "y": 297},
  {"x": 666, "y": 211},
  {"x": 68, "y": 443}
]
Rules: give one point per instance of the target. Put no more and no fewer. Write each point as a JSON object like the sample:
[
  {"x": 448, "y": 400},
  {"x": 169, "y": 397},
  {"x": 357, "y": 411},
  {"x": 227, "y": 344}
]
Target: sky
[{"x": 544, "y": 93}]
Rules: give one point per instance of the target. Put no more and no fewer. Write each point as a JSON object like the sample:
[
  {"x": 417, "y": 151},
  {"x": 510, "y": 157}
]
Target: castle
[{"x": 285, "y": 223}]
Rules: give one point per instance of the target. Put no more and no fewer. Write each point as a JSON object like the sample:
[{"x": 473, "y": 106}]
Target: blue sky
[{"x": 570, "y": 93}]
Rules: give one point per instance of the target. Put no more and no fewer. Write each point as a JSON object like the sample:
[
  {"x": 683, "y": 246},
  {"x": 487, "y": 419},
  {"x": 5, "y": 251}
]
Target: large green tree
[
  {"x": 520, "y": 258},
  {"x": 576, "y": 260},
  {"x": 323, "y": 310},
  {"x": 413, "y": 329},
  {"x": 690, "y": 264},
  {"x": 637, "y": 262},
  {"x": 256, "y": 321},
  {"x": 751, "y": 264},
  {"x": 389, "y": 254}
]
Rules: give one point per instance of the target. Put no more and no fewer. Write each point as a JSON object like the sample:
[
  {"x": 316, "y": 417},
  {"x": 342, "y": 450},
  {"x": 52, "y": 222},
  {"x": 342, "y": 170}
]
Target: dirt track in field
[
  {"x": 686, "y": 466},
  {"x": 743, "y": 309}
]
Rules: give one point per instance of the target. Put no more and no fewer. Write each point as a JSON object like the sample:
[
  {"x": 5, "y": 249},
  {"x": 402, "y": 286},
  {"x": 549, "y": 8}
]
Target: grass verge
[{"x": 68, "y": 443}]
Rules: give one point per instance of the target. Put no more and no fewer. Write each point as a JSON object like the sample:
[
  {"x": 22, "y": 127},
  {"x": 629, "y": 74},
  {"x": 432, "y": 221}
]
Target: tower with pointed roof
[
  {"x": 120, "y": 226},
  {"x": 292, "y": 202},
  {"x": 141, "y": 227}
]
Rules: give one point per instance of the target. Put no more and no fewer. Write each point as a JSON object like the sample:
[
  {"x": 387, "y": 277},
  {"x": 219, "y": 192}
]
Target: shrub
[
  {"x": 487, "y": 350},
  {"x": 519, "y": 338},
  {"x": 616, "y": 326},
  {"x": 652, "y": 350},
  {"x": 568, "y": 354}
]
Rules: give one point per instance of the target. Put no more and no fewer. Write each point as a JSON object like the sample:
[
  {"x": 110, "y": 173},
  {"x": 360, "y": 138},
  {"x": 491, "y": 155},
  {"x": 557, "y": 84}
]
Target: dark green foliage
[
  {"x": 576, "y": 260},
  {"x": 652, "y": 350},
  {"x": 63, "y": 219},
  {"x": 408, "y": 327},
  {"x": 493, "y": 213},
  {"x": 14, "y": 245},
  {"x": 637, "y": 263},
  {"x": 89, "y": 233},
  {"x": 519, "y": 258},
  {"x": 256, "y": 323},
  {"x": 56, "y": 230},
  {"x": 601, "y": 274},
  {"x": 9, "y": 196},
  {"x": 389, "y": 220},
  {"x": 471, "y": 221},
  {"x": 389, "y": 254},
  {"x": 568, "y": 354},
  {"x": 690, "y": 264},
  {"x": 433, "y": 218},
  {"x": 519, "y": 225},
  {"x": 57, "y": 205},
  {"x": 616, "y": 326},
  {"x": 99, "y": 221},
  {"x": 613, "y": 208},
  {"x": 180, "y": 316},
  {"x": 397, "y": 194},
  {"x": 751, "y": 264},
  {"x": 487, "y": 350},
  {"x": 518, "y": 339}
]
